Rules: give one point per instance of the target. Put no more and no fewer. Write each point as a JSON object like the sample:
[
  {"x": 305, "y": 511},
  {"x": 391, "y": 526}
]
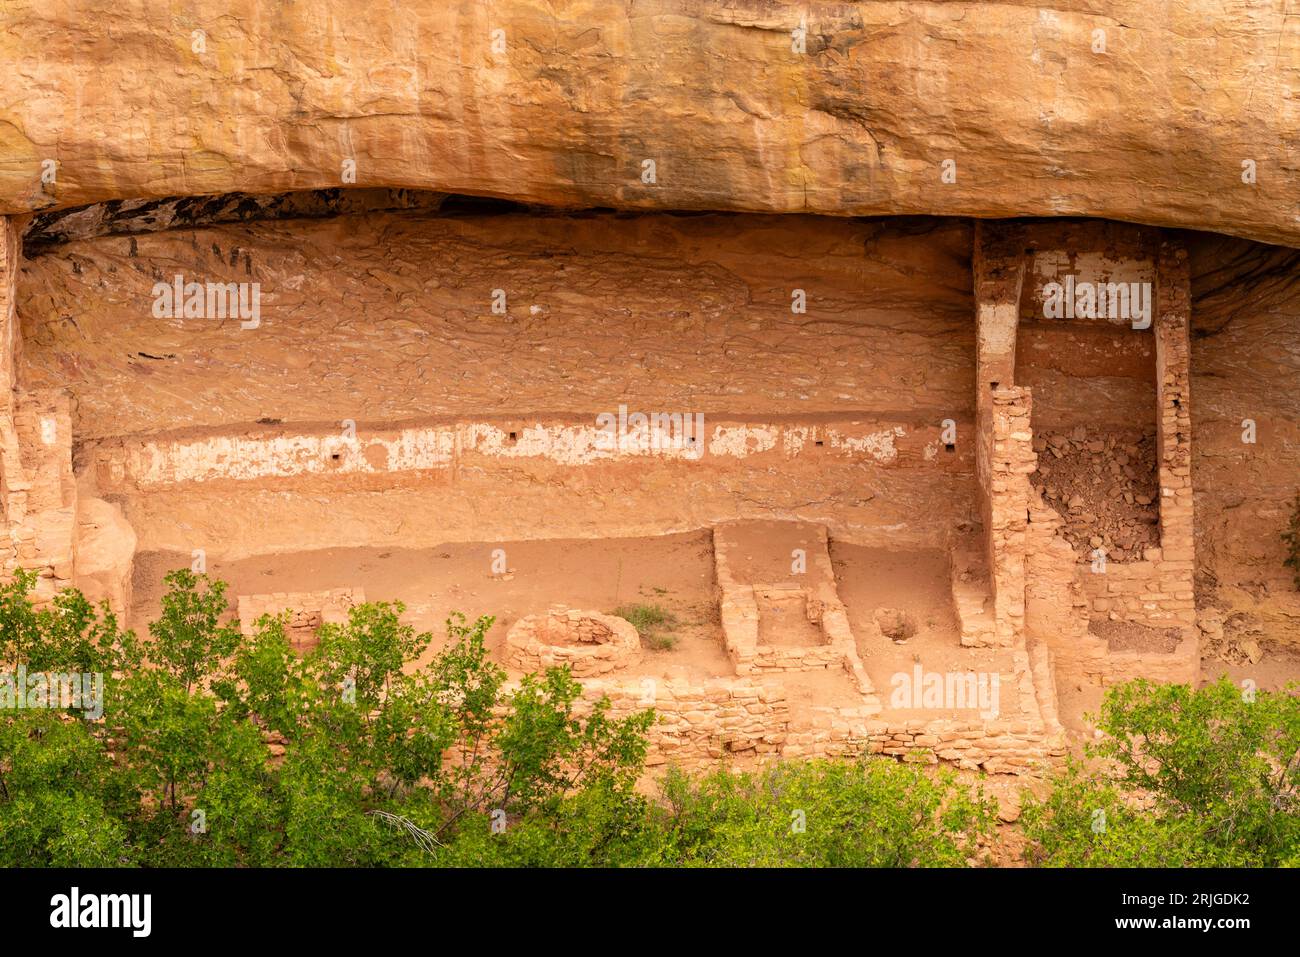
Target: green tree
[
  {"x": 189, "y": 638},
  {"x": 68, "y": 635},
  {"x": 57, "y": 802},
  {"x": 827, "y": 813},
  {"x": 1183, "y": 777}
]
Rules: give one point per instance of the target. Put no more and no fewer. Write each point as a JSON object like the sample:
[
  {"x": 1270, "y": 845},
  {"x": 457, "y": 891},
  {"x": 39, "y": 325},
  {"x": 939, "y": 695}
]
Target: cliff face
[{"x": 1131, "y": 110}]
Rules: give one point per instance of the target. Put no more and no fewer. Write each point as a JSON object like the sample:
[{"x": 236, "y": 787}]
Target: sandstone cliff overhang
[{"x": 1170, "y": 114}]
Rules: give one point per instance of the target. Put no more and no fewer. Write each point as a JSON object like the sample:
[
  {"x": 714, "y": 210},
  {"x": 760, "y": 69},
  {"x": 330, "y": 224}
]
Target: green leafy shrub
[
  {"x": 1183, "y": 777},
  {"x": 826, "y": 813}
]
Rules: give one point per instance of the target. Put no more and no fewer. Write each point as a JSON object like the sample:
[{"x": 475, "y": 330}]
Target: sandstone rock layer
[{"x": 1128, "y": 110}]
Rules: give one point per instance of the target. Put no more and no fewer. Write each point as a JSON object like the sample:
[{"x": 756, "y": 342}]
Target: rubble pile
[{"x": 1104, "y": 485}]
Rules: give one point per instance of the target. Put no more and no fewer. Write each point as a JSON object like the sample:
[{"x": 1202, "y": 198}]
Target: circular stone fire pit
[{"x": 588, "y": 642}]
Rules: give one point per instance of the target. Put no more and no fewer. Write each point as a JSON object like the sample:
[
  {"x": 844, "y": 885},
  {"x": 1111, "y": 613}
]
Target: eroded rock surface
[{"x": 1131, "y": 110}]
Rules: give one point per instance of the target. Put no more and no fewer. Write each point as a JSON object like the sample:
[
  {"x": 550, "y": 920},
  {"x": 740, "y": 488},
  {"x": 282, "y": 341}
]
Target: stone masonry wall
[
  {"x": 1157, "y": 591},
  {"x": 46, "y": 532},
  {"x": 1032, "y": 568},
  {"x": 743, "y": 717},
  {"x": 1011, "y": 462},
  {"x": 1056, "y": 601},
  {"x": 333, "y": 604},
  {"x": 589, "y": 643},
  {"x": 1063, "y": 594},
  {"x": 1174, "y": 431},
  {"x": 740, "y": 612},
  {"x": 701, "y": 722},
  {"x": 1004, "y": 443},
  {"x": 998, "y": 278},
  {"x": 997, "y": 747},
  {"x": 38, "y": 500}
]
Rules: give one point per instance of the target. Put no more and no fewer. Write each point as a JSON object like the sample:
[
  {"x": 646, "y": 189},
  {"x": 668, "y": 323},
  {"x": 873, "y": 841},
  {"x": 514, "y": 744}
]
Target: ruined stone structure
[
  {"x": 472, "y": 308},
  {"x": 303, "y": 612},
  {"x": 1155, "y": 590},
  {"x": 1046, "y": 463},
  {"x": 586, "y": 642}
]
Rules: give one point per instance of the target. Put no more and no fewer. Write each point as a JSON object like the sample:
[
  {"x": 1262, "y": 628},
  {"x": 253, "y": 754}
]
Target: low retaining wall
[{"x": 743, "y": 717}]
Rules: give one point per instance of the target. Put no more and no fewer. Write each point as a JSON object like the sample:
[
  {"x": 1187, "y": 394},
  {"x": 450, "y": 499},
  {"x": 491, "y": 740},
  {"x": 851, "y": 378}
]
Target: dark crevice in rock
[{"x": 126, "y": 217}]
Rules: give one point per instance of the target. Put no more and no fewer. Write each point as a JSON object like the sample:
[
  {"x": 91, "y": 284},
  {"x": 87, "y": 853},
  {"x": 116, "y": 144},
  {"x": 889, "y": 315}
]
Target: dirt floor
[
  {"x": 674, "y": 571},
  {"x": 783, "y": 621},
  {"x": 917, "y": 584},
  {"x": 1278, "y": 666}
]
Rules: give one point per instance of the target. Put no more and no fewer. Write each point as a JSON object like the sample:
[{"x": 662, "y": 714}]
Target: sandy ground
[
  {"x": 916, "y": 583},
  {"x": 675, "y": 571},
  {"x": 1279, "y": 666}
]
